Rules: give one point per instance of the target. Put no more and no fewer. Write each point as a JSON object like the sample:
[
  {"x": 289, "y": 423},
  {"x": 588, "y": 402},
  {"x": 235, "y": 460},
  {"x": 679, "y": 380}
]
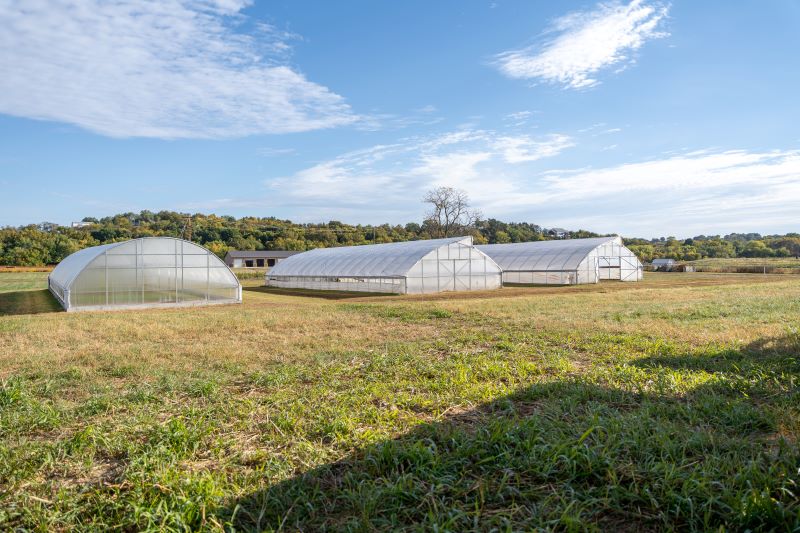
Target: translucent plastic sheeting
[
  {"x": 565, "y": 262},
  {"x": 436, "y": 265},
  {"x": 143, "y": 272}
]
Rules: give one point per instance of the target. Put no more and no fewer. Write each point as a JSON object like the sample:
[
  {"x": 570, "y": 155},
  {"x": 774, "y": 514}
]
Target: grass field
[
  {"x": 785, "y": 262},
  {"x": 672, "y": 404},
  {"x": 772, "y": 265},
  {"x": 250, "y": 273}
]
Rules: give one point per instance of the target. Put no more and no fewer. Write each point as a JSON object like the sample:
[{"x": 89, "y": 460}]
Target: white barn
[
  {"x": 149, "y": 272},
  {"x": 565, "y": 262},
  {"x": 413, "y": 267}
]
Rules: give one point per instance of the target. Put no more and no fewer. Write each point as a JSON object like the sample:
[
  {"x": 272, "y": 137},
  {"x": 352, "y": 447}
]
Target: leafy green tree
[
  {"x": 47, "y": 243},
  {"x": 502, "y": 237}
]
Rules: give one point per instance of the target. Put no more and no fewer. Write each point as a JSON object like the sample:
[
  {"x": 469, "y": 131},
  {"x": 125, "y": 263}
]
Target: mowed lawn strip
[{"x": 670, "y": 404}]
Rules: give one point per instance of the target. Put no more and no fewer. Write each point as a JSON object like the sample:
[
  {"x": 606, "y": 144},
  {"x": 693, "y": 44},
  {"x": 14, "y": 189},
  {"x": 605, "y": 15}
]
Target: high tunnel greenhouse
[
  {"x": 148, "y": 272},
  {"x": 565, "y": 262},
  {"x": 413, "y": 267}
]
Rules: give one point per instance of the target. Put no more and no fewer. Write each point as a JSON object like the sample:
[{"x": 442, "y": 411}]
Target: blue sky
[{"x": 642, "y": 118}]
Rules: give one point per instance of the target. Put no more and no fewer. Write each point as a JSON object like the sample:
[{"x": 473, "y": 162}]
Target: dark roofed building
[
  {"x": 558, "y": 233},
  {"x": 256, "y": 258},
  {"x": 664, "y": 265}
]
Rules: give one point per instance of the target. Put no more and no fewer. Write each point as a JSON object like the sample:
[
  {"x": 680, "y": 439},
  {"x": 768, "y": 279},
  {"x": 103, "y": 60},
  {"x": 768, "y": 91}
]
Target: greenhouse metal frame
[
  {"x": 147, "y": 272},
  {"x": 565, "y": 262},
  {"x": 411, "y": 267}
]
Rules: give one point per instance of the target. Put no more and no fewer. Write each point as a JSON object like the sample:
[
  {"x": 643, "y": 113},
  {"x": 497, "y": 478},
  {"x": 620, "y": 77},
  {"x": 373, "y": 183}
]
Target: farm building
[
  {"x": 558, "y": 233},
  {"x": 413, "y": 267},
  {"x": 664, "y": 264},
  {"x": 256, "y": 258},
  {"x": 565, "y": 262},
  {"x": 150, "y": 272}
]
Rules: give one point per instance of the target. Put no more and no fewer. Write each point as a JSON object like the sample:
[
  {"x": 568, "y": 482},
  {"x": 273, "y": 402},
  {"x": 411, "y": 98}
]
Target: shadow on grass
[
  {"x": 28, "y": 303},
  {"x": 759, "y": 357},
  {"x": 324, "y": 295},
  {"x": 568, "y": 455}
]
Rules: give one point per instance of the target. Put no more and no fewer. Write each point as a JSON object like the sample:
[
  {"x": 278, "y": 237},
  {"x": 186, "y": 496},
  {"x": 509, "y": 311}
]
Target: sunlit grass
[{"x": 672, "y": 404}]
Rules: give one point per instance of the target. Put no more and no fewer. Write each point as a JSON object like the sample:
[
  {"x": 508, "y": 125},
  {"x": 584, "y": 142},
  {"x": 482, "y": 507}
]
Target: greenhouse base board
[{"x": 165, "y": 305}]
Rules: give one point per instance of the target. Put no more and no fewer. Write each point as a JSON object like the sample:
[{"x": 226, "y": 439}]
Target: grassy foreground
[{"x": 668, "y": 405}]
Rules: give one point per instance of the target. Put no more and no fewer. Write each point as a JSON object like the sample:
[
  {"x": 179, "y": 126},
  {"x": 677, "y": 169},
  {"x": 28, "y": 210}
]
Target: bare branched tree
[{"x": 450, "y": 213}]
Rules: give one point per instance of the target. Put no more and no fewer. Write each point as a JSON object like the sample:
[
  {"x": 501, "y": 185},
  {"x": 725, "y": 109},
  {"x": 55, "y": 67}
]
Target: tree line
[{"x": 46, "y": 243}]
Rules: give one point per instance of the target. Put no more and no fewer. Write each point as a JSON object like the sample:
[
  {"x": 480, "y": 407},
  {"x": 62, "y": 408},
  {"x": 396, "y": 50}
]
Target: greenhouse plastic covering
[
  {"x": 565, "y": 262},
  {"x": 156, "y": 271},
  {"x": 435, "y": 265}
]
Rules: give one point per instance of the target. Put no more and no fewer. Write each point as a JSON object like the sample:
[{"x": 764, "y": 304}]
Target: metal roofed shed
[
  {"x": 412, "y": 267},
  {"x": 256, "y": 258},
  {"x": 565, "y": 262},
  {"x": 149, "y": 272},
  {"x": 664, "y": 265}
]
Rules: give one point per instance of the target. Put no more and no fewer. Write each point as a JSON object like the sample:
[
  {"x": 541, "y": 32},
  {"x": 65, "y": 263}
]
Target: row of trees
[
  {"x": 449, "y": 215},
  {"x": 716, "y": 246}
]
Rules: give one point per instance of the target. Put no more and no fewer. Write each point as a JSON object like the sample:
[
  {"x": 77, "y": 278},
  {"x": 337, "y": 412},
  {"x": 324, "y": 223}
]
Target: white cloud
[
  {"x": 685, "y": 173},
  {"x": 579, "y": 45},
  {"x": 276, "y": 152},
  {"x": 166, "y": 69},
  {"x": 520, "y": 149},
  {"x": 519, "y": 115},
  {"x": 454, "y": 169},
  {"x": 398, "y": 172},
  {"x": 689, "y": 194},
  {"x": 685, "y": 194},
  {"x": 424, "y": 116}
]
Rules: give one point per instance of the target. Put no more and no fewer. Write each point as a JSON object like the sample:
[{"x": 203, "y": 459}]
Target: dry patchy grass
[{"x": 670, "y": 404}]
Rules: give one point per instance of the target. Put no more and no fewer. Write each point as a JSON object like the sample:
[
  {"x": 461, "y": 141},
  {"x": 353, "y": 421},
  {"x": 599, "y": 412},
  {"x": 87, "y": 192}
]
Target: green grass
[
  {"x": 787, "y": 262},
  {"x": 250, "y": 273},
  {"x": 666, "y": 405},
  {"x": 22, "y": 281},
  {"x": 25, "y": 293},
  {"x": 772, "y": 265}
]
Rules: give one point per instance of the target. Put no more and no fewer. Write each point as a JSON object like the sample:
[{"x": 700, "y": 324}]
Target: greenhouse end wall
[
  {"x": 150, "y": 272},
  {"x": 454, "y": 267},
  {"x": 618, "y": 262}
]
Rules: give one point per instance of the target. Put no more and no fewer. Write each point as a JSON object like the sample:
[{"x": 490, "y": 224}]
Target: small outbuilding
[
  {"x": 665, "y": 265},
  {"x": 558, "y": 233},
  {"x": 149, "y": 272},
  {"x": 565, "y": 262},
  {"x": 412, "y": 267},
  {"x": 256, "y": 258}
]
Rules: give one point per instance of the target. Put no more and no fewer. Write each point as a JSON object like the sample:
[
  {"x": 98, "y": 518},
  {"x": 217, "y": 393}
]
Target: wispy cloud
[
  {"x": 519, "y": 119},
  {"x": 698, "y": 192},
  {"x": 167, "y": 69},
  {"x": 580, "y": 45},
  {"x": 520, "y": 149},
  {"x": 695, "y": 171},
  {"x": 424, "y": 116},
  {"x": 276, "y": 152},
  {"x": 403, "y": 170}
]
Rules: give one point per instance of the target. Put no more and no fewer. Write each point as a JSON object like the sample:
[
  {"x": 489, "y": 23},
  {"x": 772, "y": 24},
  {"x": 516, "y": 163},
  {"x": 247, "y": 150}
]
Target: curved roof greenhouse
[
  {"x": 411, "y": 267},
  {"x": 148, "y": 272},
  {"x": 565, "y": 262}
]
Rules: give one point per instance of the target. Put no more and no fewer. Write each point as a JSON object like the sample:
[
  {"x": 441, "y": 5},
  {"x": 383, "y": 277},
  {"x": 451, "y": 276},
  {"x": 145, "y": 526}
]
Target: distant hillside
[{"x": 47, "y": 243}]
